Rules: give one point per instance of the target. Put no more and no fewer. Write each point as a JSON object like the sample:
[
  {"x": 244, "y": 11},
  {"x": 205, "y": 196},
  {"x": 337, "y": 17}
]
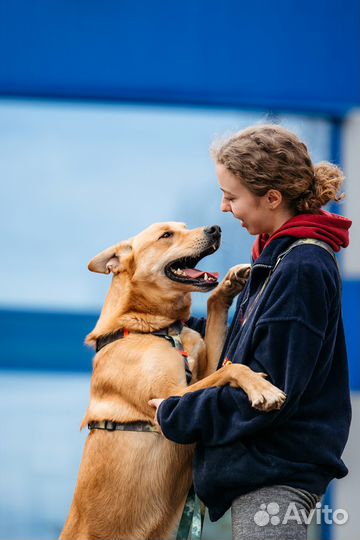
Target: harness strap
[
  {"x": 109, "y": 338},
  {"x": 192, "y": 517},
  {"x": 171, "y": 334},
  {"x": 177, "y": 343},
  {"x": 302, "y": 241},
  {"x": 119, "y": 426}
]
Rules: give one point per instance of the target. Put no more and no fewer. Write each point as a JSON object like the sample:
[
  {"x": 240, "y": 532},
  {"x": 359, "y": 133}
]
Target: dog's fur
[{"x": 133, "y": 485}]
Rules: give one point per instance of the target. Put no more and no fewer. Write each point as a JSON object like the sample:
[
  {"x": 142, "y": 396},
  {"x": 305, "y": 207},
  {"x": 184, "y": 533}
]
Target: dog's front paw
[
  {"x": 232, "y": 284},
  {"x": 264, "y": 396},
  {"x": 236, "y": 278}
]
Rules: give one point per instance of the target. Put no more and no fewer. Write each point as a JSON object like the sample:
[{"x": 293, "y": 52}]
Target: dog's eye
[{"x": 167, "y": 235}]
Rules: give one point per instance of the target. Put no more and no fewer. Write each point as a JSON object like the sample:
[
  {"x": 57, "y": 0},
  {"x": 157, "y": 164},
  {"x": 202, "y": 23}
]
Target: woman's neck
[{"x": 279, "y": 220}]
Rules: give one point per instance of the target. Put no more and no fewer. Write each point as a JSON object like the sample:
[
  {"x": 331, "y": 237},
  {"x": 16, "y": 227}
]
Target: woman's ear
[
  {"x": 274, "y": 198},
  {"x": 111, "y": 259}
]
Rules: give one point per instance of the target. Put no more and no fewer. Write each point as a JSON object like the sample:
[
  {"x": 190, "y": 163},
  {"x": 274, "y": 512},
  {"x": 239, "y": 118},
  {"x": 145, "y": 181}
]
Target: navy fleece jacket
[{"x": 296, "y": 336}]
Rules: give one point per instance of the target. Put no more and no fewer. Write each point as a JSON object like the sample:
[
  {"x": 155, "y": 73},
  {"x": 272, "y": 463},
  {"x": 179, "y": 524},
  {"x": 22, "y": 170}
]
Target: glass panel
[{"x": 79, "y": 178}]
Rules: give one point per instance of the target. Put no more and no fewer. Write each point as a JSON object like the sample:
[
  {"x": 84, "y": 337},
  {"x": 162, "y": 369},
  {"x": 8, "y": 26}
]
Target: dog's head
[{"x": 164, "y": 254}]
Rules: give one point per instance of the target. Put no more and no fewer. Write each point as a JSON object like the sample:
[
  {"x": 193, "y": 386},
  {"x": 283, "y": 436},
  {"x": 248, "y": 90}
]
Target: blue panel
[
  {"x": 326, "y": 528},
  {"x": 42, "y": 341},
  {"x": 351, "y": 294},
  {"x": 54, "y": 341},
  {"x": 297, "y": 55}
]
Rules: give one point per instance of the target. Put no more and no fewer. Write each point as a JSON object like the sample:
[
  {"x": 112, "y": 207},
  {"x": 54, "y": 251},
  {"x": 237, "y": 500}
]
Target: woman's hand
[{"x": 156, "y": 403}]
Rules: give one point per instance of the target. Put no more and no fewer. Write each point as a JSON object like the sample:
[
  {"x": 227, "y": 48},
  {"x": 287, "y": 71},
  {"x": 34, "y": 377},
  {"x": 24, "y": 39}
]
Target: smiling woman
[
  {"x": 264, "y": 168},
  {"x": 250, "y": 209},
  {"x": 287, "y": 325}
]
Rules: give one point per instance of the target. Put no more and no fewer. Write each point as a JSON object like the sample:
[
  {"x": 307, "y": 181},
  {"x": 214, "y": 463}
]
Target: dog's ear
[{"x": 111, "y": 259}]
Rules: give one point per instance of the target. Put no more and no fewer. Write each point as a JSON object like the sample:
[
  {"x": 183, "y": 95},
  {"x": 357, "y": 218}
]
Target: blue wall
[
  {"x": 288, "y": 55},
  {"x": 53, "y": 342}
]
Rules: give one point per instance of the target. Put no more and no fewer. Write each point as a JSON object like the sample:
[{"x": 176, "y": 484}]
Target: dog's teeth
[{"x": 206, "y": 276}]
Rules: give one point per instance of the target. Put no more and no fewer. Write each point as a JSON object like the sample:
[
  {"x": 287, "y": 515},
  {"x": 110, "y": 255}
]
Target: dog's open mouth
[{"x": 184, "y": 270}]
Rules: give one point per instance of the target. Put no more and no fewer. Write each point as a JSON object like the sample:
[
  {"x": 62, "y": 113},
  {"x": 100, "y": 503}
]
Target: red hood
[{"x": 330, "y": 228}]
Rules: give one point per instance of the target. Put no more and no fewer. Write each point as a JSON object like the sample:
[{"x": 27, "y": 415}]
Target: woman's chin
[
  {"x": 253, "y": 231},
  {"x": 250, "y": 229}
]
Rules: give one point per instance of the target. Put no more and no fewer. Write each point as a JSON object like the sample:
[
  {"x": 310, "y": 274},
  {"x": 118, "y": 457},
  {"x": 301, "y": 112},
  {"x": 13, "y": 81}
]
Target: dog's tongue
[{"x": 194, "y": 273}]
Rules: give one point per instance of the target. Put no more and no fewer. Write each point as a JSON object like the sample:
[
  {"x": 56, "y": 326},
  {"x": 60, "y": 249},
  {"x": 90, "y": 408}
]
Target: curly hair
[{"x": 271, "y": 157}]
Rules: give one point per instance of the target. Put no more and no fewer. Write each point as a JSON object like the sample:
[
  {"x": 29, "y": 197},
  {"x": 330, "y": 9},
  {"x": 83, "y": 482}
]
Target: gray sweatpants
[{"x": 274, "y": 512}]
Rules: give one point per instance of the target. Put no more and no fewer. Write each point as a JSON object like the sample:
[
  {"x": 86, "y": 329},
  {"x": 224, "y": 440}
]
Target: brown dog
[{"x": 133, "y": 485}]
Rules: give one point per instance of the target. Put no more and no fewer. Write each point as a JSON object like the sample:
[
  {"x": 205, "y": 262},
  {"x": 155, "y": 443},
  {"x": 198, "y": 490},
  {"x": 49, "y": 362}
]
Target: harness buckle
[
  {"x": 171, "y": 339},
  {"x": 110, "y": 426}
]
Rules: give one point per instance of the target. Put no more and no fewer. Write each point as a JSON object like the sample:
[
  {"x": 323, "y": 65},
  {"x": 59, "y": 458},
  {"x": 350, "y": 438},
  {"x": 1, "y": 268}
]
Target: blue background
[{"x": 107, "y": 110}]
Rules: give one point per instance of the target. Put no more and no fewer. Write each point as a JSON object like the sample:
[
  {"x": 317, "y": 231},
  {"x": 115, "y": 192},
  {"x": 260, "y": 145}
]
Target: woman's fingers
[{"x": 155, "y": 402}]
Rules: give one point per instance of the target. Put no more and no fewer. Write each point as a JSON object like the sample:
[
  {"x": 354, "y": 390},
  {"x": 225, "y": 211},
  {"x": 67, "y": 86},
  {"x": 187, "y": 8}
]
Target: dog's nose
[{"x": 214, "y": 231}]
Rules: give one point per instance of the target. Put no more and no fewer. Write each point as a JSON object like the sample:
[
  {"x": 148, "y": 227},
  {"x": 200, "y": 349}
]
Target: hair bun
[{"x": 328, "y": 179}]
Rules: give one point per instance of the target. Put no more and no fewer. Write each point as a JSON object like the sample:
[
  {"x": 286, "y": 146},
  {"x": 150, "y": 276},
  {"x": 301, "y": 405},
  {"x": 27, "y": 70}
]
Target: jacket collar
[
  {"x": 271, "y": 253},
  {"x": 263, "y": 264}
]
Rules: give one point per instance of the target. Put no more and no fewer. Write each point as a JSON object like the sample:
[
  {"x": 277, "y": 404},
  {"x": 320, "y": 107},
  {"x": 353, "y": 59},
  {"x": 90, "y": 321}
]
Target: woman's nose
[{"x": 225, "y": 207}]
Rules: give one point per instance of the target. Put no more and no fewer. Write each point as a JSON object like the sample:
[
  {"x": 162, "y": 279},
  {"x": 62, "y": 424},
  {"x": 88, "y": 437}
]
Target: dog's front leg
[
  {"x": 218, "y": 307},
  {"x": 262, "y": 394}
]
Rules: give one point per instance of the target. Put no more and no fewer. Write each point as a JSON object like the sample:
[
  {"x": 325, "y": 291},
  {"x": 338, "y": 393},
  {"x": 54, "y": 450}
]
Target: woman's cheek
[{"x": 238, "y": 212}]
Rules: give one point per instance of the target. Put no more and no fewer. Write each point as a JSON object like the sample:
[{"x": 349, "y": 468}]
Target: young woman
[{"x": 287, "y": 323}]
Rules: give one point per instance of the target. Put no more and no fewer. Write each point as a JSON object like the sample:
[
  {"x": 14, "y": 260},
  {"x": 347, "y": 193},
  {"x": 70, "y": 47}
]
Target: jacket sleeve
[{"x": 285, "y": 345}]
